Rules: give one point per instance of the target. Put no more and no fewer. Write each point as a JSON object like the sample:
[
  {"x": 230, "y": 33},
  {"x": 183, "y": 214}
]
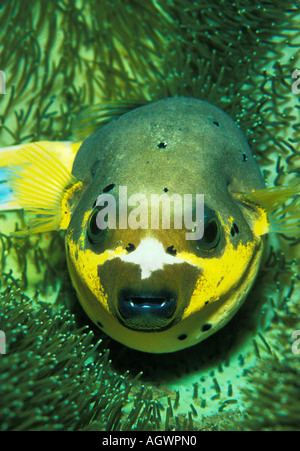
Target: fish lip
[
  {"x": 132, "y": 327},
  {"x": 155, "y": 310}
]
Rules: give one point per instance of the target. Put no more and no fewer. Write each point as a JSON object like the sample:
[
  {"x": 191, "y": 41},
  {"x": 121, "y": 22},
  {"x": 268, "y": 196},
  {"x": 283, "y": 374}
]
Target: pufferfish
[{"x": 150, "y": 288}]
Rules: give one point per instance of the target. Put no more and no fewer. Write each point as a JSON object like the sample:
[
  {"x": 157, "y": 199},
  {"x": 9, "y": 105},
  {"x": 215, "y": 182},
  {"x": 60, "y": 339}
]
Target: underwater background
[{"x": 67, "y": 61}]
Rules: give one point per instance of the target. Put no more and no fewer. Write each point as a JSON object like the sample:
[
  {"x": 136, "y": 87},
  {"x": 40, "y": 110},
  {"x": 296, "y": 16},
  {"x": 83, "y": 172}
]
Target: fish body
[
  {"x": 174, "y": 146},
  {"x": 146, "y": 285}
]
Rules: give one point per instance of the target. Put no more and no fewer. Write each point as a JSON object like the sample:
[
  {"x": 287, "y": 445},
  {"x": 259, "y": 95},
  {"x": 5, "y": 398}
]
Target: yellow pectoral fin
[
  {"x": 272, "y": 210},
  {"x": 64, "y": 151},
  {"x": 43, "y": 186}
]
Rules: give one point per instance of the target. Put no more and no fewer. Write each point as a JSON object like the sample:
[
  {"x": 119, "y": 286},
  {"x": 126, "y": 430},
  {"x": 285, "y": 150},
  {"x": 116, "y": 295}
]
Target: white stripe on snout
[{"x": 150, "y": 256}]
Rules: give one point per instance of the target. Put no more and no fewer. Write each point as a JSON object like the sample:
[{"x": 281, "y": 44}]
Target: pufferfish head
[{"x": 149, "y": 287}]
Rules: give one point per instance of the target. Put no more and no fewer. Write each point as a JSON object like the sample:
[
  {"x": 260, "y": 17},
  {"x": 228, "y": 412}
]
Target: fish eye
[
  {"x": 212, "y": 234},
  {"x": 94, "y": 232}
]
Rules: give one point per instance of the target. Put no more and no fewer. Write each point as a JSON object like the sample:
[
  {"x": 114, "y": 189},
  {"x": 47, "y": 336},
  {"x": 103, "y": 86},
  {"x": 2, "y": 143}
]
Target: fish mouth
[{"x": 146, "y": 311}]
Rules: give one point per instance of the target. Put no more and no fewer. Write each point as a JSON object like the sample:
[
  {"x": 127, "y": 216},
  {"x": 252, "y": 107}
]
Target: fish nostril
[
  {"x": 146, "y": 311},
  {"x": 130, "y": 247},
  {"x": 171, "y": 250}
]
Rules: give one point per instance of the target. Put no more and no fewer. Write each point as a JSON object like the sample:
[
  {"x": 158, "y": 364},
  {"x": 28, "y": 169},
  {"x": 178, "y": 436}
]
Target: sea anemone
[{"x": 69, "y": 59}]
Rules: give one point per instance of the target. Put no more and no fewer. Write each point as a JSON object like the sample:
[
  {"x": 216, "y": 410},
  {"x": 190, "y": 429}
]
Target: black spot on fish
[
  {"x": 130, "y": 247},
  {"x": 109, "y": 188},
  {"x": 206, "y": 327},
  {"x": 166, "y": 190},
  {"x": 182, "y": 337},
  {"x": 217, "y": 124},
  {"x": 99, "y": 324},
  {"x": 171, "y": 250},
  {"x": 234, "y": 230},
  {"x": 162, "y": 145},
  {"x": 245, "y": 158}
]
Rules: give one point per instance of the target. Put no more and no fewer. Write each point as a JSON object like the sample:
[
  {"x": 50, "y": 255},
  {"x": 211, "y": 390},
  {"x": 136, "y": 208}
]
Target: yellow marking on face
[
  {"x": 87, "y": 262},
  {"x": 219, "y": 274},
  {"x": 256, "y": 215},
  {"x": 66, "y": 210},
  {"x": 87, "y": 266},
  {"x": 261, "y": 226}
]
